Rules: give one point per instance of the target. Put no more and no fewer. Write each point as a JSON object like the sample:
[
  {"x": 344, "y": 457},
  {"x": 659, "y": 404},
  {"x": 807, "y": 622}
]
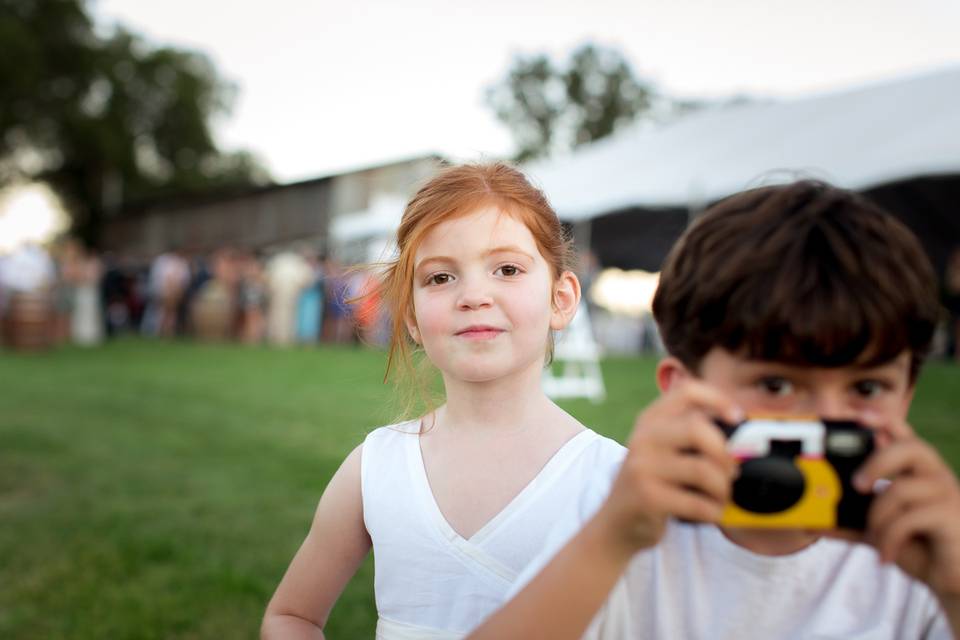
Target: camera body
[{"x": 797, "y": 474}]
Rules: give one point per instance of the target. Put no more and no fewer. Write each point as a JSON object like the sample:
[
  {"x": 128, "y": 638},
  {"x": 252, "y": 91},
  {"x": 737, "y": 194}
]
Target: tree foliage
[
  {"x": 548, "y": 108},
  {"x": 106, "y": 118}
]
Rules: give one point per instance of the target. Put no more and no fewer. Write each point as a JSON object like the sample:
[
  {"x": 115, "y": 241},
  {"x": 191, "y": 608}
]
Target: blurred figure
[
  {"x": 310, "y": 305},
  {"x": 168, "y": 280},
  {"x": 213, "y": 308},
  {"x": 122, "y": 298},
  {"x": 588, "y": 272},
  {"x": 337, "y": 315},
  {"x": 951, "y": 285},
  {"x": 198, "y": 264},
  {"x": 27, "y": 277},
  {"x": 253, "y": 300},
  {"x": 86, "y": 321},
  {"x": 287, "y": 275},
  {"x": 67, "y": 260},
  {"x": 366, "y": 308}
]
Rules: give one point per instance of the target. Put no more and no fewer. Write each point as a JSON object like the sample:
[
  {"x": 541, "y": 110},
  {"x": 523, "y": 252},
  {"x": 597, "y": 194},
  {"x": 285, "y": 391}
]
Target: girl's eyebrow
[
  {"x": 431, "y": 259},
  {"x": 508, "y": 249},
  {"x": 489, "y": 252}
]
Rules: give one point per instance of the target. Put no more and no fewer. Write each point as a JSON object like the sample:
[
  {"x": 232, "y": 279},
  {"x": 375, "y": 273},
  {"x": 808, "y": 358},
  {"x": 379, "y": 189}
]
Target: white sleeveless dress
[{"x": 432, "y": 584}]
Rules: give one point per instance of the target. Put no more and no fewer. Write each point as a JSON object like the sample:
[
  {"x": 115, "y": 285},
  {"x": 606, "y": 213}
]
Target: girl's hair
[{"x": 455, "y": 191}]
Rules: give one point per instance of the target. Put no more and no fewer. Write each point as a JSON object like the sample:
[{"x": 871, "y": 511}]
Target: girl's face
[{"x": 484, "y": 298}]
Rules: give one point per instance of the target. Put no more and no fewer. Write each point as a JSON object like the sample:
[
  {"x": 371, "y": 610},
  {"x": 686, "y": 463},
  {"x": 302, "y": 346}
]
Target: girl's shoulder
[
  {"x": 393, "y": 432},
  {"x": 599, "y": 449}
]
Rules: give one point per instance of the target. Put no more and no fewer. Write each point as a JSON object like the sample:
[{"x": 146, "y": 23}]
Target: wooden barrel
[{"x": 28, "y": 321}]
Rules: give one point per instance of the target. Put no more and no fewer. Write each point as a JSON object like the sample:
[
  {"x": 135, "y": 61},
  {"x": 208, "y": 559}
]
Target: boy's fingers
[
  {"x": 902, "y": 496},
  {"x": 697, "y": 473},
  {"x": 690, "y": 431},
  {"x": 910, "y": 456},
  {"x": 708, "y": 399},
  {"x": 698, "y": 436},
  {"x": 887, "y": 429},
  {"x": 691, "y": 505},
  {"x": 898, "y": 533}
]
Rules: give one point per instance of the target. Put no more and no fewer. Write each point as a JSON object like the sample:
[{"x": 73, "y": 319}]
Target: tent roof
[{"x": 854, "y": 138}]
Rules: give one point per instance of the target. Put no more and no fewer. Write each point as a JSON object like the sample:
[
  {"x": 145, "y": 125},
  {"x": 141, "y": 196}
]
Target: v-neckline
[{"x": 552, "y": 467}]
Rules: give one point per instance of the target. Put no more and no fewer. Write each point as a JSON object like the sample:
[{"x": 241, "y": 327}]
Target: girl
[{"x": 455, "y": 503}]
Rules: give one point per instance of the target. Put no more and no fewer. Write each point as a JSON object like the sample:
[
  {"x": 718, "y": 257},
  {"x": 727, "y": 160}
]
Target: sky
[{"x": 328, "y": 86}]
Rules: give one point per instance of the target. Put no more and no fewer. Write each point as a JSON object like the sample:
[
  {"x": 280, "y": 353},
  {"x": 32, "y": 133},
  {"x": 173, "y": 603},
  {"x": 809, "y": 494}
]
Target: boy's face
[{"x": 872, "y": 395}]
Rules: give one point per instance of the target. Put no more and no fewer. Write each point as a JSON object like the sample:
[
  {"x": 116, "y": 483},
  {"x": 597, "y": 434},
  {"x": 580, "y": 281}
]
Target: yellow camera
[{"x": 797, "y": 474}]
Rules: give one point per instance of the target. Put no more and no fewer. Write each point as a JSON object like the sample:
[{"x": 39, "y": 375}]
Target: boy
[{"x": 791, "y": 300}]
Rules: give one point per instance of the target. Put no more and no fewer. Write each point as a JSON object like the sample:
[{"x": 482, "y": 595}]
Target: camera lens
[{"x": 768, "y": 485}]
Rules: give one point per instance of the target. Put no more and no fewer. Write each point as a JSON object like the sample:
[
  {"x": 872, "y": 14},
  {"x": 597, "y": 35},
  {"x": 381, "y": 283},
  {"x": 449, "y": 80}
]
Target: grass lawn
[{"x": 158, "y": 490}]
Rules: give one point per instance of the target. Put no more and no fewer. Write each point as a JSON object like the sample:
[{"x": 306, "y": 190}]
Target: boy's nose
[{"x": 833, "y": 405}]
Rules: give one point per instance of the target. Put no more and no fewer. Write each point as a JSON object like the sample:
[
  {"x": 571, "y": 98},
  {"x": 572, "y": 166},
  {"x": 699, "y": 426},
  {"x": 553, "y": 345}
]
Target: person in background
[
  {"x": 27, "y": 278},
  {"x": 338, "y": 324},
  {"x": 67, "y": 259},
  {"x": 167, "y": 282},
  {"x": 951, "y": 285},
  {"x": 253, "y": 299},
  {"x": 86, "y": 325},
  {"x": 287, "y": 274},
  {"x": 310, "y": 304}
]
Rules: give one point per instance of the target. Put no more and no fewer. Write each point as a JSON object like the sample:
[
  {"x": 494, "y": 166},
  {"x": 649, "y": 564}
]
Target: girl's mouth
[{"x": 479, "y": 332}]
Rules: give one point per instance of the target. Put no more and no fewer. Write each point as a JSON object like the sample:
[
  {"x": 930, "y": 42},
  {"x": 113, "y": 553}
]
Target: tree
[
  {"x": 548, "y": 108},
  {"x": 106, "y": 118}
]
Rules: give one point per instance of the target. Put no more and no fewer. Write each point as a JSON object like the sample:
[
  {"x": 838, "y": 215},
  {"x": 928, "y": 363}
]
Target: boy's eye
[
  {"x": 868, "y": 388},
  {"x": 438, "y": 278},
  {"x": 776, "y": 385},
  {"x": 508, "y": 270}
]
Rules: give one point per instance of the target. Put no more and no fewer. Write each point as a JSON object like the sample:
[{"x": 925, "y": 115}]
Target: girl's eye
[
  {"x": 509, "y": 270},
  {"x": 438, "y": 278},
  {"x": 868, "y": 388},
  {"x": 777, "y": 386}
]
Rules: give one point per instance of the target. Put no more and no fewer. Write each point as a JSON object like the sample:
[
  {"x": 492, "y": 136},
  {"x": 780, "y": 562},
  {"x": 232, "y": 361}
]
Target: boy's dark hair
[{"x": 803, "y": 273}]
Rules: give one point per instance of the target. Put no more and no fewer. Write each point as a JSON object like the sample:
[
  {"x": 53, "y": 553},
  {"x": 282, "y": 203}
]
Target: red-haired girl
[{"x": 456, "y": 502}]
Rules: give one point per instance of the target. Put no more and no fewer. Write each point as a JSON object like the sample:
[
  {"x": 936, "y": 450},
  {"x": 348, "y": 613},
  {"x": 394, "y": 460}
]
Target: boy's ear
[
  {"x": 670, "y": 371},
  {"x": 907, "y": 399},
  {"x": 566, "y": 298}
]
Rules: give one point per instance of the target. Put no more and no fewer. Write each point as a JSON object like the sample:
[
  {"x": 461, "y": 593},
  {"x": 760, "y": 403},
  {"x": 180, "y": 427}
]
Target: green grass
[{"x": 158, "y": 490}]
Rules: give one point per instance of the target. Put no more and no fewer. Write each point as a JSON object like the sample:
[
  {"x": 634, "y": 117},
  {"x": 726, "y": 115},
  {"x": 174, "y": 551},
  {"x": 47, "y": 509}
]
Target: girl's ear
[
  {"x": 670, "y": 371},
  {"x": 566, "y": 298},
  {"x": 412, "y": 328}
]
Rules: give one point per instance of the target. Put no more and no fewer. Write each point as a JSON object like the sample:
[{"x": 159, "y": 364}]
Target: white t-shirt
[
  {"x": 429, "y": 581},
  {"x": 698, "y": 584}
]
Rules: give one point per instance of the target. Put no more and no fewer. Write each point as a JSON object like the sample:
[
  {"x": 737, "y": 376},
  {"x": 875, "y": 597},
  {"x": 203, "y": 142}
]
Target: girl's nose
[{"x": 473, "y": 296}]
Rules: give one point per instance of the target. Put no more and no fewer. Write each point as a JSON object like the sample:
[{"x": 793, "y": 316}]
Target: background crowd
[{"x": 73, "y": 294}]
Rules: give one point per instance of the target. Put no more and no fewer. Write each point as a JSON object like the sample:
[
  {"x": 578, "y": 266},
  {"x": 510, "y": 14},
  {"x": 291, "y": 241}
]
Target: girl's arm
[{"x": 333, "y": 550}]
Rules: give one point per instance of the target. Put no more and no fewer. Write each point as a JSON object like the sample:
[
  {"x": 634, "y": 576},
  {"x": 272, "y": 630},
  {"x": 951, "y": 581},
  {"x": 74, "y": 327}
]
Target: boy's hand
[
  {"x": 677, "y": 465},
  {"x": 915, "y": 522}
]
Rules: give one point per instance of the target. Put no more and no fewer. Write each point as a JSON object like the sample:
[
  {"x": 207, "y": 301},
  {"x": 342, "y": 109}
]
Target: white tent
[{"x": 855, "y": 139}]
